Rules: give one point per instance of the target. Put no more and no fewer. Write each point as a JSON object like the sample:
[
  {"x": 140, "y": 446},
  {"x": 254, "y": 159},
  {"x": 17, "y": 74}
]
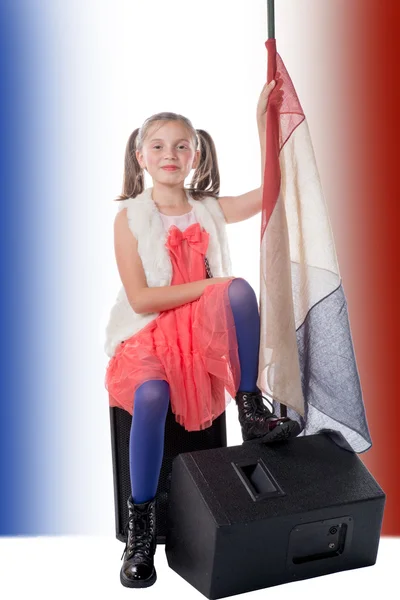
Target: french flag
[{"x": 307, "y": 365}]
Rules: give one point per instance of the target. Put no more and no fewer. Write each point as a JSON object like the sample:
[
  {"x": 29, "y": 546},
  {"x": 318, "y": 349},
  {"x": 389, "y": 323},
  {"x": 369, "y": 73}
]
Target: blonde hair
[{"x": 205, "y": 180}]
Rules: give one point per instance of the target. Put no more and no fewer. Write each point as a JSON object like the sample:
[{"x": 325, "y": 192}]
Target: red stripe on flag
[{"x": 281, "y": 120}]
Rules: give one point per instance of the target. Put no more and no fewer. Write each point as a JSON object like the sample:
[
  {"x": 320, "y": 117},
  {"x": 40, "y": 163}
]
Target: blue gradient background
[
  {"x": 55, "y": 448},
  {"x": 21, "y": 410},
  {"x": 27, "y": 271}
]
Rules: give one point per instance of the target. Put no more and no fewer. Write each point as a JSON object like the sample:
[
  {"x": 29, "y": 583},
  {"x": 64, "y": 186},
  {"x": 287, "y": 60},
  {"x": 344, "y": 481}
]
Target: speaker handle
[{"x": 257, "y": 479}]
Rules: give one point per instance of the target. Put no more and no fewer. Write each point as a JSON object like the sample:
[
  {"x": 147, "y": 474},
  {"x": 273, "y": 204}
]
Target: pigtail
[
  {"x": 133, "y": 183},
  {"x": 206, "y": 180}
]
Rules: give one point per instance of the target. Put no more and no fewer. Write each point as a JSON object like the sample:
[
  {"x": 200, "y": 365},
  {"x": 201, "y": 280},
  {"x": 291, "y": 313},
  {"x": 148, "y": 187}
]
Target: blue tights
[{"x": 146, "y": 444}]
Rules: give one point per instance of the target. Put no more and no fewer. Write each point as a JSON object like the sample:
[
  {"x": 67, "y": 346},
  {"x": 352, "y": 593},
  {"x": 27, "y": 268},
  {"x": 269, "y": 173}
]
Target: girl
[{"x": 183, "y": 329}]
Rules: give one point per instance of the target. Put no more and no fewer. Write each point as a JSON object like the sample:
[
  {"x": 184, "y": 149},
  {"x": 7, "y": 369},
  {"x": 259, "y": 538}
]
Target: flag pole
[
  {"x": 271, "y": 18},
  {"x": 271, "y": 35}
]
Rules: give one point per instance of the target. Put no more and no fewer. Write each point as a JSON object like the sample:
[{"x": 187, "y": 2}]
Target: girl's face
[{"x": 169, "y": 144}]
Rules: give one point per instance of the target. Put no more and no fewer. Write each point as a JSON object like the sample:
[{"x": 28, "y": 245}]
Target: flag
[{"x": 306, "y": 359}]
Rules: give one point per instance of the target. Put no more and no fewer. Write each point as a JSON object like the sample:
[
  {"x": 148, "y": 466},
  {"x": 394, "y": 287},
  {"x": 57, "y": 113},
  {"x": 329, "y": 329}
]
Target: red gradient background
[{"x": 364, "y": 50}]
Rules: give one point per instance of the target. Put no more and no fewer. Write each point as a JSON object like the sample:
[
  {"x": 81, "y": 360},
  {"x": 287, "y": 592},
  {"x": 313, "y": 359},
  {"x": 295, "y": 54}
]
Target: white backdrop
[{"x": 129, "y": 61}]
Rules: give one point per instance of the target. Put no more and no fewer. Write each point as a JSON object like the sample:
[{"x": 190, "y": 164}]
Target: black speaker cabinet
[
  {"x": 176, "y": 440},
  {"x": 253, "y": 516}
]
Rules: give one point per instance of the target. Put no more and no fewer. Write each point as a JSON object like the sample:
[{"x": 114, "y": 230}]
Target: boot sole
[
  {"x": 279, "y": 433},
  {"x": 139, "y": 583}
]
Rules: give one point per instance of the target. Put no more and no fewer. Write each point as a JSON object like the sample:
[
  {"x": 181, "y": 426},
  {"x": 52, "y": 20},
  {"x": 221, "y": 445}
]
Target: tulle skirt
[{"x": 194, "y": 348}]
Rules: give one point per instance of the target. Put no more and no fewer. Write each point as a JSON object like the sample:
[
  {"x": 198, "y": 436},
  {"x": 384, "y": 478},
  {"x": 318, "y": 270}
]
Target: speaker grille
[{"x": 176, "y": 441}]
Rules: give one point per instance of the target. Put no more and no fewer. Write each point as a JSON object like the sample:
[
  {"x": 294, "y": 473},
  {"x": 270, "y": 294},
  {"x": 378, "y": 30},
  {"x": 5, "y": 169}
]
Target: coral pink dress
[{"x": 193, "y": 346}]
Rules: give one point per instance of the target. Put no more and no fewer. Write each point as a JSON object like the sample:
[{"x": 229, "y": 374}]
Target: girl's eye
[{"x": 180, "y": 146}]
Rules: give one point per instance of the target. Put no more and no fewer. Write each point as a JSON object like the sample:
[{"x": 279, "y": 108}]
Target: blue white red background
[{"x": 76, "y": 79}]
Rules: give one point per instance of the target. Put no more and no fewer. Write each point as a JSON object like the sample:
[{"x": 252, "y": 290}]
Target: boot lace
[
  {"x": 255, "y": 400},
  {"x": 138, "y": 536}
]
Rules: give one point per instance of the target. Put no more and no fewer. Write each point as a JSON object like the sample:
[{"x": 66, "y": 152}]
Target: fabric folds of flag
[{"x": 306, "y": 358}]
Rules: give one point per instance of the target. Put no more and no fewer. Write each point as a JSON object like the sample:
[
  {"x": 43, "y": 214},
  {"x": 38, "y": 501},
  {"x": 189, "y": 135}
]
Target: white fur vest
[{"x": 147, "y": 227}]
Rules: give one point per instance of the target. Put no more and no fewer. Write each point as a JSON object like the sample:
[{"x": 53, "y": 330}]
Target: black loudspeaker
[
  {"x": 176, "y": 440},
  {"x": 254, "y": 516}
]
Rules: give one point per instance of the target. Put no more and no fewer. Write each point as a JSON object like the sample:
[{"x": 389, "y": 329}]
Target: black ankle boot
[
  {"x": 259, "y": 424},
  {"x": 138, "y": 568}
]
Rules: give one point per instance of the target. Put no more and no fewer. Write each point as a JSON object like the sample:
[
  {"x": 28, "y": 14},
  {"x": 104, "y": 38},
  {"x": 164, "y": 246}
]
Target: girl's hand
[
  {"x": 273, "y": 86},
  {"x": 214, "y": 280}
]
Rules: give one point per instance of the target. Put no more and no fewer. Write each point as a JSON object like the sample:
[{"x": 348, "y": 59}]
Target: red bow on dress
[{"x": 195, "y": 237}]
